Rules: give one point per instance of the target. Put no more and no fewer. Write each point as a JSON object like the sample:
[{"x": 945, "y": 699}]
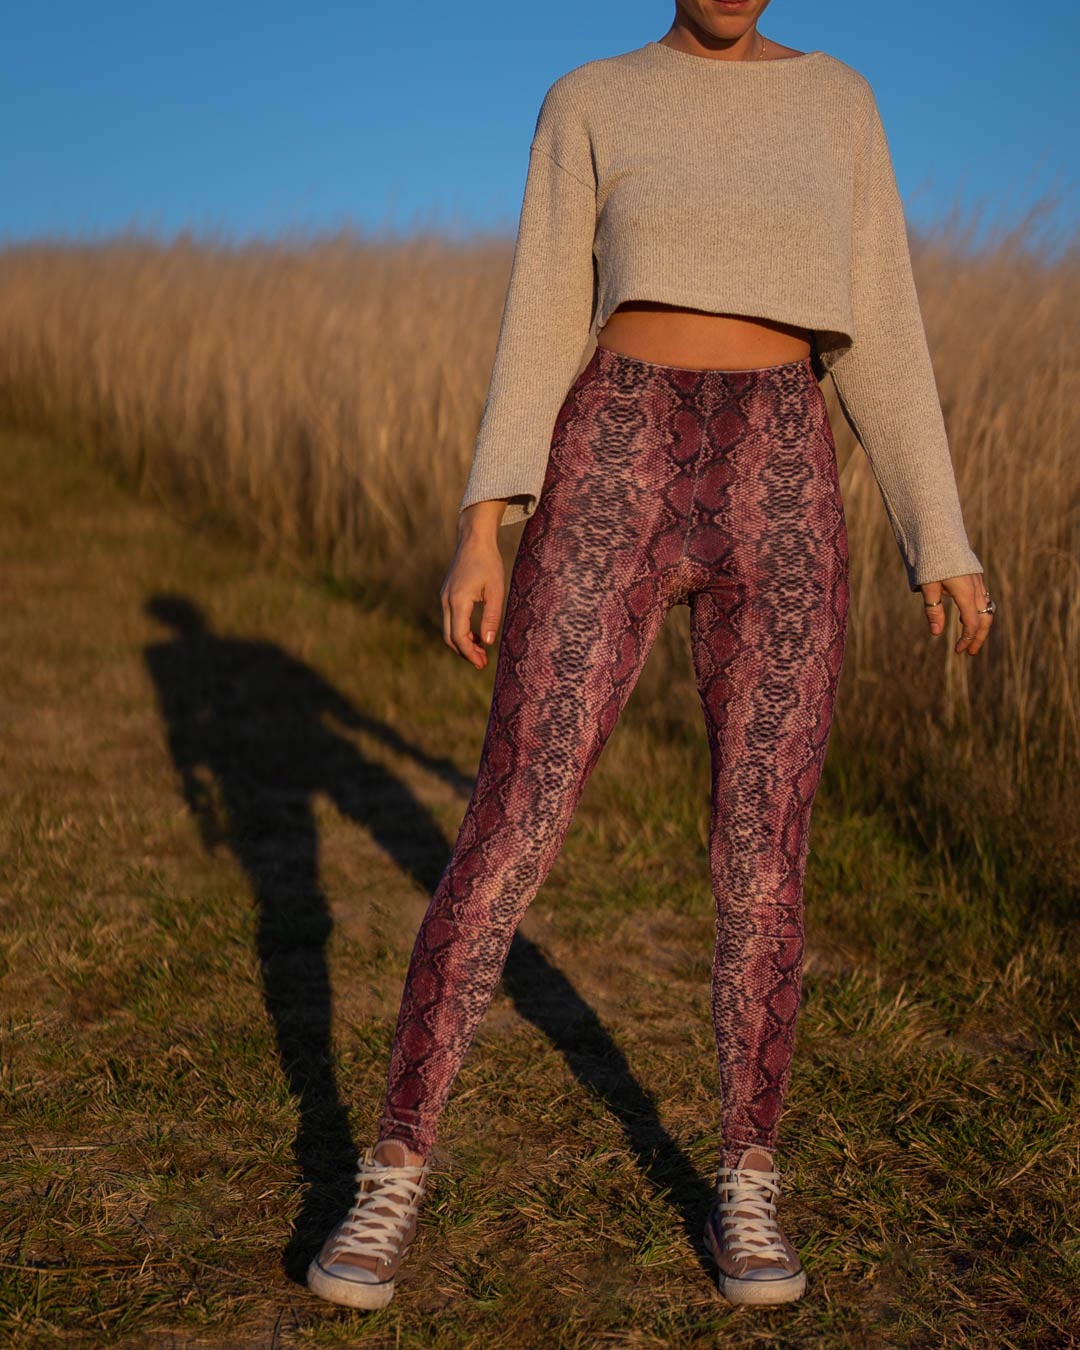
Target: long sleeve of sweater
[
  {"x": 547, "y": 316},
  {"x": 885, "y": 380}
]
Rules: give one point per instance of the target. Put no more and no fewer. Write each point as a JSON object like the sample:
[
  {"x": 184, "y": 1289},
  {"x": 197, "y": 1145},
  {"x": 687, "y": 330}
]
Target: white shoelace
[
  {"x": 394, "y": 1190},
  {"x": 755, "y": 1233}
]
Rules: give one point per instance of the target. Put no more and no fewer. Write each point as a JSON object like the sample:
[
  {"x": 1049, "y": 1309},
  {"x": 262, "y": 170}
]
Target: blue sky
[{"x": 241, "y": 119}]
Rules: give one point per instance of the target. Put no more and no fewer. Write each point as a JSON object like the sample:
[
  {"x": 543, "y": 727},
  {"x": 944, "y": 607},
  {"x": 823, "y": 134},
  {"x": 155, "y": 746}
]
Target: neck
[{"x": 687, "y": 37}]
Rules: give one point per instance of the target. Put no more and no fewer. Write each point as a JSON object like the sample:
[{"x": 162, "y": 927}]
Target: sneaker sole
[
  {"x": 349, "y": 1293},
  {"x": 756, "y": 1292}
]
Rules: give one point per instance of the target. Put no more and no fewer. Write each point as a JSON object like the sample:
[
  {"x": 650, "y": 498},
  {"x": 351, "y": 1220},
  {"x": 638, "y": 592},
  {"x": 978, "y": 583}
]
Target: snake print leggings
[{"x": 665, "y": 485}]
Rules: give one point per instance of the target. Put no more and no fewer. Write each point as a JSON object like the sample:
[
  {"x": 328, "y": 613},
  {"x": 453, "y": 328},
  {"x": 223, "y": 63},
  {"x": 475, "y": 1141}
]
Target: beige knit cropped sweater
[{"x": 757, "y": 188}]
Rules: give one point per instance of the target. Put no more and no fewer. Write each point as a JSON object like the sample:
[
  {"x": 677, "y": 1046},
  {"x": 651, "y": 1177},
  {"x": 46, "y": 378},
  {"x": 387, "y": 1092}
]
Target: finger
[
  {"x": 986, "y": 621},
  {"x": 935, "y": 612},
  {"x": 444, "y": 599},
  {"x": 969, "y": 618},
  {"x": 464, "y": 639},
  {"x": 489, "y": 619}
]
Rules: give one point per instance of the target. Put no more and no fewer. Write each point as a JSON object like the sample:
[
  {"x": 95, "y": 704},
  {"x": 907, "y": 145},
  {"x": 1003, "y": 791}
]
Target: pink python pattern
[{"x": 665, "y": 485}]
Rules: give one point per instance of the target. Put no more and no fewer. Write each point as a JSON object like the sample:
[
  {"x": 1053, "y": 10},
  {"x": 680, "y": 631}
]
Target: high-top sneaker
[
  {"x": 359, "y": 1261},
  {"x": 756, "y": 1262}
]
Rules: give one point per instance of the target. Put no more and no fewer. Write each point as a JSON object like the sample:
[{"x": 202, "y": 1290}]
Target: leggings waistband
[{"x": 608, "y": 356}]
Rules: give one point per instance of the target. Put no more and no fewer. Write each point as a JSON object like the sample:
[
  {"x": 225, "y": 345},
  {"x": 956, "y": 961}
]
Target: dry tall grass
[{"x": 324, "y": 397}]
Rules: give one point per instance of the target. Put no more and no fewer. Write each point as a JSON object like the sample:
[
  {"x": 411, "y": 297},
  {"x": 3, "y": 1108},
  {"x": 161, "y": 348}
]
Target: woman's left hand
[{"x": 970, "y": 595}]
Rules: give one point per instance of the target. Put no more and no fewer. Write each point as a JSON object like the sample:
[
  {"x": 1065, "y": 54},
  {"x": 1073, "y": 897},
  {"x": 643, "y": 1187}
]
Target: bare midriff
[{"x": 673, "y": 336}]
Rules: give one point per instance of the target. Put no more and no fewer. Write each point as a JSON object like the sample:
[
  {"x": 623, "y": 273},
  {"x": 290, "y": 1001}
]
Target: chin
[{"x": 725, "y": 24}]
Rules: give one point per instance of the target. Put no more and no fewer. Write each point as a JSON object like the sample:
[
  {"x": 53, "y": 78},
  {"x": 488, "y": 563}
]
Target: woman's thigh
[{"x": 768, "y": 630}]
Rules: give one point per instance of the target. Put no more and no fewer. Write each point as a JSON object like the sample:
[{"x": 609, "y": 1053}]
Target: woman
[{"x": 723, "y": 210}]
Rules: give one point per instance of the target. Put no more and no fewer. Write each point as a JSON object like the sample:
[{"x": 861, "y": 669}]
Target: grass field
[
  {"x": 234, "y": 754},
  {"x": 228, "y": 790},
  {"x": 323, "y": 399}
]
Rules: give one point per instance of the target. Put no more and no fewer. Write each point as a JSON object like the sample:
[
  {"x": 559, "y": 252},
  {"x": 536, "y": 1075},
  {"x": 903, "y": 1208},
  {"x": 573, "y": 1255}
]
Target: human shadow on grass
[{"x": 250, "y": 732}]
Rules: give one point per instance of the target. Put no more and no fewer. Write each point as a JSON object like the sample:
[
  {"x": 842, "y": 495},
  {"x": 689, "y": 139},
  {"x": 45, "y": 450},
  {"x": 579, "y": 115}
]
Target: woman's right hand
[{"x": 476, "y": 576}]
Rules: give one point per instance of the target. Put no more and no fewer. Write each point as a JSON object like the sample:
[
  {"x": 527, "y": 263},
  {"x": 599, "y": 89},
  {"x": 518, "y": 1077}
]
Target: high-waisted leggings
[{"x": 665, "y": 485}]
